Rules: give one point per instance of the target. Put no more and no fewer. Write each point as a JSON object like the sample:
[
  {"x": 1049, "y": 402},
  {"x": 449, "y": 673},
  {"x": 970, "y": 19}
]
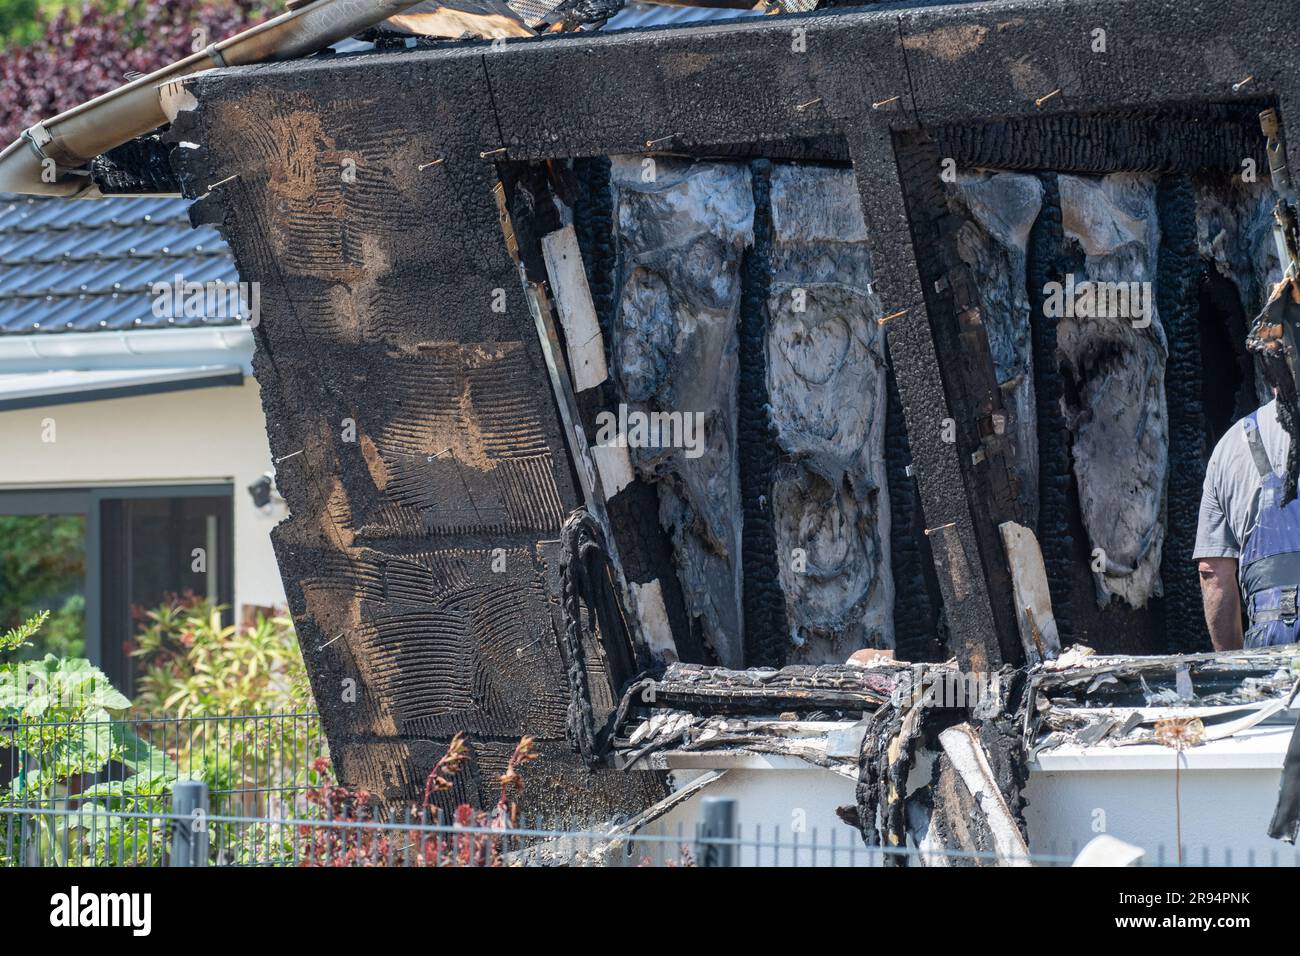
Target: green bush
[
  {"x": 210, "y": 707},
  {"x": 18, "y": 21},
  {"x": 193, "y": 665},
  {"x": 240, "y": 679},
  {"x": 43, "y": 564}
]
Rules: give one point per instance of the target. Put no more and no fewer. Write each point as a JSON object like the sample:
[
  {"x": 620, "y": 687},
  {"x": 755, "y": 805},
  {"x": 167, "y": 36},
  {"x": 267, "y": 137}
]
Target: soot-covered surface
[
  {"x": 1112, "y": 365},
  {"x": 681, "y": 235},
  {"x": 416, "y": 441},
  {"x": 1115, "y": 401},
  {"x": 1000, "y": 209},
  {"x": 356, "y": 280},
  {"x": 1204, "y": 244},
  {"x": 1234, "y": 235},
  {"x": 826, "y": 384}
]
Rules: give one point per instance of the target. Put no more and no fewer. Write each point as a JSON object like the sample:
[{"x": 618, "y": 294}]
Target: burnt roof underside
[{"x": 371, "y": 294}]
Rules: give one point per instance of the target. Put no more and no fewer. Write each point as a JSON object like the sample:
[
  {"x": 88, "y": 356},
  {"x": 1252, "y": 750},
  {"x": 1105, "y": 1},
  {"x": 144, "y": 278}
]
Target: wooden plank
[
  {"x": 1038, "y": 633},
  {"x": 648, "y": 602},
  {"x": 969, "y": 760},
  {"x": 572, "y": 296},
  {"x": 614, "y": 467}
]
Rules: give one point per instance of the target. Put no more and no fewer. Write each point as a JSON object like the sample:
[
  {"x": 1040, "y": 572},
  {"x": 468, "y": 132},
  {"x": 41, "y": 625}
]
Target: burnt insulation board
[
  {"x": 411, "y": 418},
  {"x": 378, "y": 307}
]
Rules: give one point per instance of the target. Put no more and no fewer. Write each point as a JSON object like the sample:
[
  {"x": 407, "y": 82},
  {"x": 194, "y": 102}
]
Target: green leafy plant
[
  {"x": 193, "y": 665},
  {"x": 43, "y": 565},
  {"x": 19, "y": 20},
  {"x": 60, "y": 723},
  {"x": 21, "y": 636},
  {"x": 216, "y": 703}
]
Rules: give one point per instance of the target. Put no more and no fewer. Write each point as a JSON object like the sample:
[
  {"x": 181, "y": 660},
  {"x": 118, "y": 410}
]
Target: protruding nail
[{"x": 1043, "y": 99}]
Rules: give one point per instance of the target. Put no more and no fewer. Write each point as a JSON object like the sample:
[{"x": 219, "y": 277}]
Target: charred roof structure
[{"x": 745, "y": 346}]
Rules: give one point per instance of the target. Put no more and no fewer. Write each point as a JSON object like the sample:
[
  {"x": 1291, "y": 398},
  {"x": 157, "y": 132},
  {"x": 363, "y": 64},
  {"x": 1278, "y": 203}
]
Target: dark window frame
[{"x": 88, "y": 502}]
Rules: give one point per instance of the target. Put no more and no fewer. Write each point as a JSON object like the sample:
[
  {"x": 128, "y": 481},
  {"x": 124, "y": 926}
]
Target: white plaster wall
[
  {"x": 1227, "y": 790},
  {"x": 201, "y": 435},
  {"x": 787, "y": 802},
  {"x": 1225, "y": 814}
]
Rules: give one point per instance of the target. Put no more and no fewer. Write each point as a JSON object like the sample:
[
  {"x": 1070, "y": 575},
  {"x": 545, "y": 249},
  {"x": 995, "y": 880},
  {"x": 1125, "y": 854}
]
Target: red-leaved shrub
[
  {"x": 343, "y": 839},
  {"x": 88, "y": 51}
]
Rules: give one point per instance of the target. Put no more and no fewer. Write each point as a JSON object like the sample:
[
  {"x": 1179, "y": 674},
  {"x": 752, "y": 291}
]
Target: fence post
[
  {"x": 717, "y": 822},
  {"x": 189, "y": 823}
]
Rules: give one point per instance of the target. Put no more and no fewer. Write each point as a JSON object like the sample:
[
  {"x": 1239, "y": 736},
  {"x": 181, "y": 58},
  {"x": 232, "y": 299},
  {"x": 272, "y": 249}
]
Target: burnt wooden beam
[
  {"x": 796, "y": 687},
  {"x": 415, "y": 433},
  {"x": 979, "y": 437}
]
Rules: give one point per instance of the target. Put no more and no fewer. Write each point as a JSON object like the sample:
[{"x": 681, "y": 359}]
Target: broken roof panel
[{"x": 449, "y": 390}]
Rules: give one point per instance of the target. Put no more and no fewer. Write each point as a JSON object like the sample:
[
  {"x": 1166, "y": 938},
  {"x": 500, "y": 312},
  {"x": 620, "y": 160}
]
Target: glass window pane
[
  {"x": 43, "y": 567},
  {"x": 154, "y": 549}
]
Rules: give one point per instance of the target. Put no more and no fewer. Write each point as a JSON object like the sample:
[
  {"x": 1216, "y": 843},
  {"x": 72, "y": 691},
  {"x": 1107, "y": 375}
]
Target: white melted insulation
[
  {"x": 1000, "y": 209},
  {"x": 1118, "y": 421},
  {"x": 826, "y": 385},
  {"x": 1116, "y": 416},
  {"x": 682, "y": 235},
  {"x": 681, "y": 239},
  {"x": 1234, "y": 232}
]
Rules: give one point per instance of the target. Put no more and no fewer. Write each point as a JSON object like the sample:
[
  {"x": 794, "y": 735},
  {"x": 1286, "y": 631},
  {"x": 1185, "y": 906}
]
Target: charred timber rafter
[{"x": 982, "y": 432}]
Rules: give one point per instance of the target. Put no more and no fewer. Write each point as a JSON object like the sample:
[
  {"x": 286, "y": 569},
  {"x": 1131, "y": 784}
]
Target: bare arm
[{"x": 1222, "y": 602}]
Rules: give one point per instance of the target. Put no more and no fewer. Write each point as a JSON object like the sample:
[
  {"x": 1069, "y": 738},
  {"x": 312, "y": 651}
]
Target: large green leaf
[{"x": 140, "y": 756}]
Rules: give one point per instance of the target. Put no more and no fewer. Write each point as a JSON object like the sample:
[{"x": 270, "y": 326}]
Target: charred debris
[
  {"x": 939, "y": 759},
  {"x": 693, "y": 268}
]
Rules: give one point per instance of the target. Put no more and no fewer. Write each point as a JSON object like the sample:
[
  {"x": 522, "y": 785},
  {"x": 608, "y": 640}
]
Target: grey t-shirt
[{"x": 1230, "y": 497}]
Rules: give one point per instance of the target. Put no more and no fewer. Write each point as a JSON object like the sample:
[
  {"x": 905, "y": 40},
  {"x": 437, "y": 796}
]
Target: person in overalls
[{"x": 1248, "y": 537}]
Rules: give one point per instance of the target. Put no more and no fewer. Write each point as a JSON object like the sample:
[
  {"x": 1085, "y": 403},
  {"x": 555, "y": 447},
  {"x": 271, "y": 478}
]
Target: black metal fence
[
  {"x": 252, "y": 791},
  {"x": 189, "y": 835},
  {"x": 98, "y": 792}
]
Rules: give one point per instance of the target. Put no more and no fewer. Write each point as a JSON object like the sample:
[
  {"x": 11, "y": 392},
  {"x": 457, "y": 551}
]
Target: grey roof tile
[{"x": 89, "y": 265}]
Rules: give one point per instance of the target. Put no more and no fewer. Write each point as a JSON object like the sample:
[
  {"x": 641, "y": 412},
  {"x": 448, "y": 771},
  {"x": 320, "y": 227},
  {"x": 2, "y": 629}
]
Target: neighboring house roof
[
  {"x": 77, "y": 315},
  {"x": 69, "y": 266},
  {"x": 514, "y": 18}
]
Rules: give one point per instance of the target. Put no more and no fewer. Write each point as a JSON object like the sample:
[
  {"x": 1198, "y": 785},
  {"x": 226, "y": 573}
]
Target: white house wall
[{"x": 205, "y": 435}]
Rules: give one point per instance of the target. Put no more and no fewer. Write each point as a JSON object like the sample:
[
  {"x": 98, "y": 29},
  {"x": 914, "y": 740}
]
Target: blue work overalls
[{"x": 1269, "y": 567}]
